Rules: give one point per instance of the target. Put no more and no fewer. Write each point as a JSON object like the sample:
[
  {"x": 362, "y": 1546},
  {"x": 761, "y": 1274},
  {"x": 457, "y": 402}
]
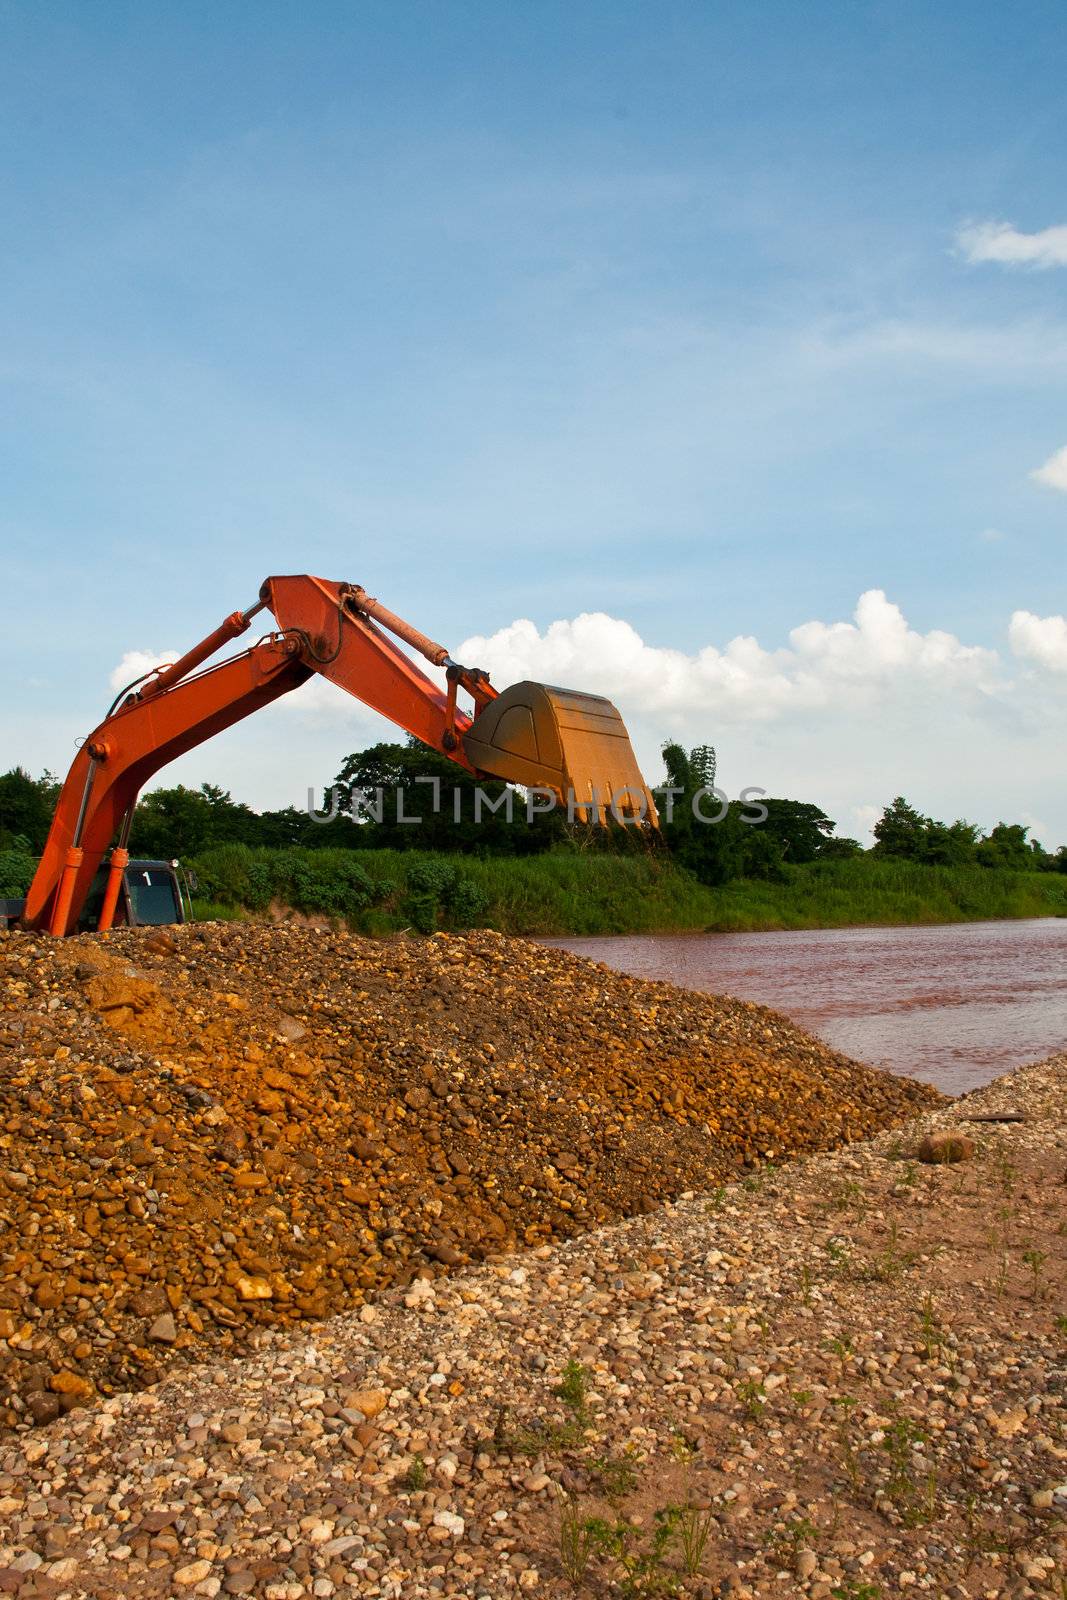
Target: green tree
[
  {"x": 712, "y": 851},
  {"x": 901, "y": 831},
  {"x": 26, "y": 807},
  {"x": 1006, "y": 847},
  {"x": 430, "y": 788},
  {"x": 801, "y": 829}
]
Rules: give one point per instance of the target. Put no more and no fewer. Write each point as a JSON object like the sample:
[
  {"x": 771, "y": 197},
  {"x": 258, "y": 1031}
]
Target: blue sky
[{"x": 525, "y": 312}]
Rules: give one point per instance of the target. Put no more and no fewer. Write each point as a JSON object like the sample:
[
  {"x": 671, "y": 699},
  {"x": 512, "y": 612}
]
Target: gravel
[
  {"x": 845, "y": 1373},
  {"x": 213, "y": 1130}
]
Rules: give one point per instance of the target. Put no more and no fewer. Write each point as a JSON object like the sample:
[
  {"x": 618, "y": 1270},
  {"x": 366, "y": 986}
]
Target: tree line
[{"x": 182, "y": 822}]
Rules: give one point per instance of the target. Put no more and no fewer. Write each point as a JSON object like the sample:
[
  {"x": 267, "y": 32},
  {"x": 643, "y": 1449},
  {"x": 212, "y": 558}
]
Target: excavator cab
[{"x": 152, "y": 894}]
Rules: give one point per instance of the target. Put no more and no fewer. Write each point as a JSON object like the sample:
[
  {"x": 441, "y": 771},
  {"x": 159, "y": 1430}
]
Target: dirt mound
[{"x": 207, "y": 1130}]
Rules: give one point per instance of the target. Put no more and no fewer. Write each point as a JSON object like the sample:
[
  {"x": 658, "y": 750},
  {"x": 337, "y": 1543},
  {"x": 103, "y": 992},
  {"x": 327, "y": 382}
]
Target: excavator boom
[{"x": 570, "y": 743}]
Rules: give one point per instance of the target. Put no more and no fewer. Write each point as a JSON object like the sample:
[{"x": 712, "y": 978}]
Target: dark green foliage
[
  {"x": 1007, "y": 847},
  {"x": 439, "y": 893},
  {"x": 425, "y": 817},
  {"x": 801, "y": 829},
  {"x": 17, "y": 867},
  {"x": 712, "y": 851},
  {"x": 26, "y": 807}
]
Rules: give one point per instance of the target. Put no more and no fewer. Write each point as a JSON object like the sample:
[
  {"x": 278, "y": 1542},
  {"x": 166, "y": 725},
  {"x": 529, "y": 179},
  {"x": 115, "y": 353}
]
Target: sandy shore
[{"x": 843, "y": 1378}]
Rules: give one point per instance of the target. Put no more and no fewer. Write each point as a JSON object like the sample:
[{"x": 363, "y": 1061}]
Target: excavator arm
[{"x": 571, "y": 743}]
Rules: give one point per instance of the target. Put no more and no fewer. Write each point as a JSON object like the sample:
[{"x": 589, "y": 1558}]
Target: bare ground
[{"x": 843, "y": 1378}]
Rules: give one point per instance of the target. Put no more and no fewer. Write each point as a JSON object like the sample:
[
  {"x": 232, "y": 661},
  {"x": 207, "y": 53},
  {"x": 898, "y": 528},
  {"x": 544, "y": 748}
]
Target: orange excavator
[{"x": 572, "y": 744}]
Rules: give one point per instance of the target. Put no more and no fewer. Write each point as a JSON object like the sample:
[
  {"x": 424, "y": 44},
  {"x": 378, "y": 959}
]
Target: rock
[
  {"x": 806, "y": 1563},
  {"x": 370, "y": 1402},
  {"x": 254, "y": 1288},
  {"x": 944, "y": 1148},
  {"x": 163, "y": 1330},
  {"x": 70, "y": 1383},
  {"x": 194, "y": 1572}
]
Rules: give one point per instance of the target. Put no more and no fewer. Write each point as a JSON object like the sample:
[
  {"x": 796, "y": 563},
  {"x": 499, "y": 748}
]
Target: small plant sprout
[
  {"x": 577, "y": 1540},
  {"x": 573, "y": 1390},
  {"x": 753, "y": 1396},
  {"x": 1035, "y": 1260},
  {"x": 417, "y": 1476},
  {"x": 913, "y": 1496},
  {"x": 930, "y": 1328}
]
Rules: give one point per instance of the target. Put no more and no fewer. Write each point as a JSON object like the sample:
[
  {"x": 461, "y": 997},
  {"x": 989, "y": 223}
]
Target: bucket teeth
[{"x": 575, "y": 744}]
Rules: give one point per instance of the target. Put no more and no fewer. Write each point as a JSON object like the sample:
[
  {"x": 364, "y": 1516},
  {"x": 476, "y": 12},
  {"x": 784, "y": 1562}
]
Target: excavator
[{"x": 569, "y": 743}]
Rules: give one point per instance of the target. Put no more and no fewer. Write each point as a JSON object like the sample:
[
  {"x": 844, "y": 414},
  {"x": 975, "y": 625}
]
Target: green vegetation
[
  {"x": 785, "y": 870},
  {"x": 566, "y": 892}
]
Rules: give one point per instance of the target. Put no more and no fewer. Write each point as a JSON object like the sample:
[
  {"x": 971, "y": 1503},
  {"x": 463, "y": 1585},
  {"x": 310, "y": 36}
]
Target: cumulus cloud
[
  {"x": 999, "y": 241},
  {"x": 825, "y": 664},
  {"x": 1039, "y": 639},
  {"x": 135, "y": 663},
  {"x": 1054, "y": 472}
]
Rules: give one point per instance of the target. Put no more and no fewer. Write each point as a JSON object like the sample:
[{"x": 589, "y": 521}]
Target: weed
[
  {"x": 753, "y": 1396},
  {"x": 892, "y": 1262},
  {"x": 417, "y": 1476},
  {"x": 1035, "y": 1260},
  {"x": 838, "y": 1251},
  {"x": 846, "y": 1447},
  {"x": 1000, "y": 1282},
  {"x": 641, "y": 1567},
  {"x": 910, "y": 1176},
  {"x": 978, "y": 1539},
  {"x": 930, "y": 1329},
  {"x": 577, "y": 1540},
  {"x": 802, "y": 1397},
  {"x": 913, "y": 1499},
  {"x": 855, "y": 1591},
  {"x": 716, "y": 1199},
  {"x": 807, "y": 1283},
  {"x": 617, "y": 1476},
  {"x": 841, "y": 1347},
  {"x": 1006, "y": 1172},
  {"x": 573, "y": 1390},
  {"x": 1061, "y": 1325},
  {"x": 796, "y": 1535},
  {"x": 846, "y": 1194}
]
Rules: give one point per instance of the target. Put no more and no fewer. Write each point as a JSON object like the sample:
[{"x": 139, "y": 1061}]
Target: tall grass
[{"x": 379, "y": 891}]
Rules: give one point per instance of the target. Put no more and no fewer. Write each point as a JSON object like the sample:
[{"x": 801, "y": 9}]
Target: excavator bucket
[{"x": 561, "y": 739}]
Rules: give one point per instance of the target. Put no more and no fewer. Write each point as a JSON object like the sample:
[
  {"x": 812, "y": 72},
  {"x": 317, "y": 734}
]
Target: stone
[
  {"x": 163, "y": 1330},
  {"x": 944, "y": 1148},
  {"x": 806, "y": 1563},
  {"x": 194, "y": 1572},
  {"x": 370, "y": 1402}
]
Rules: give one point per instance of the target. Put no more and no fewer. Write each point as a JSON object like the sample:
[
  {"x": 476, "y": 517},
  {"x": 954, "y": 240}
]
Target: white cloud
[
  {"x": 999, "y": 241},
  {"x": 1054, "y": 472},
  {"x": 1039, "y": 639},
  {"x": 846, "y": 713},
  {"x": 826, "y": 664},
  {"x": 135, "y": 663}
]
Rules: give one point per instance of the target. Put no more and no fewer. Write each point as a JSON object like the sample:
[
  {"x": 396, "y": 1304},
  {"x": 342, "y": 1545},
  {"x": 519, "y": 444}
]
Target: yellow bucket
[{"x": 575, "y": 744}]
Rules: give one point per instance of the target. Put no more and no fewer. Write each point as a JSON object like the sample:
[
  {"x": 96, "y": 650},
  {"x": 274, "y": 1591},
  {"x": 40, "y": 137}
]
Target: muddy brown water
[{"x": 955, "y": 1005}]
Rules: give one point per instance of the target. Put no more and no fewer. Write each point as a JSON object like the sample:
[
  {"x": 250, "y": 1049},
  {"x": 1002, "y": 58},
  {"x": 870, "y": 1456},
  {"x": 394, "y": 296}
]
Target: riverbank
[
  {"x": 219, "y": 1129},
  {"x": 382, "y": 891},
  {"x": 835, "y": 1379}
]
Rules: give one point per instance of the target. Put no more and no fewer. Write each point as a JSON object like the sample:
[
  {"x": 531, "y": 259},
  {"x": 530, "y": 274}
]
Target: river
[{"x": 955, "y": 1005}]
